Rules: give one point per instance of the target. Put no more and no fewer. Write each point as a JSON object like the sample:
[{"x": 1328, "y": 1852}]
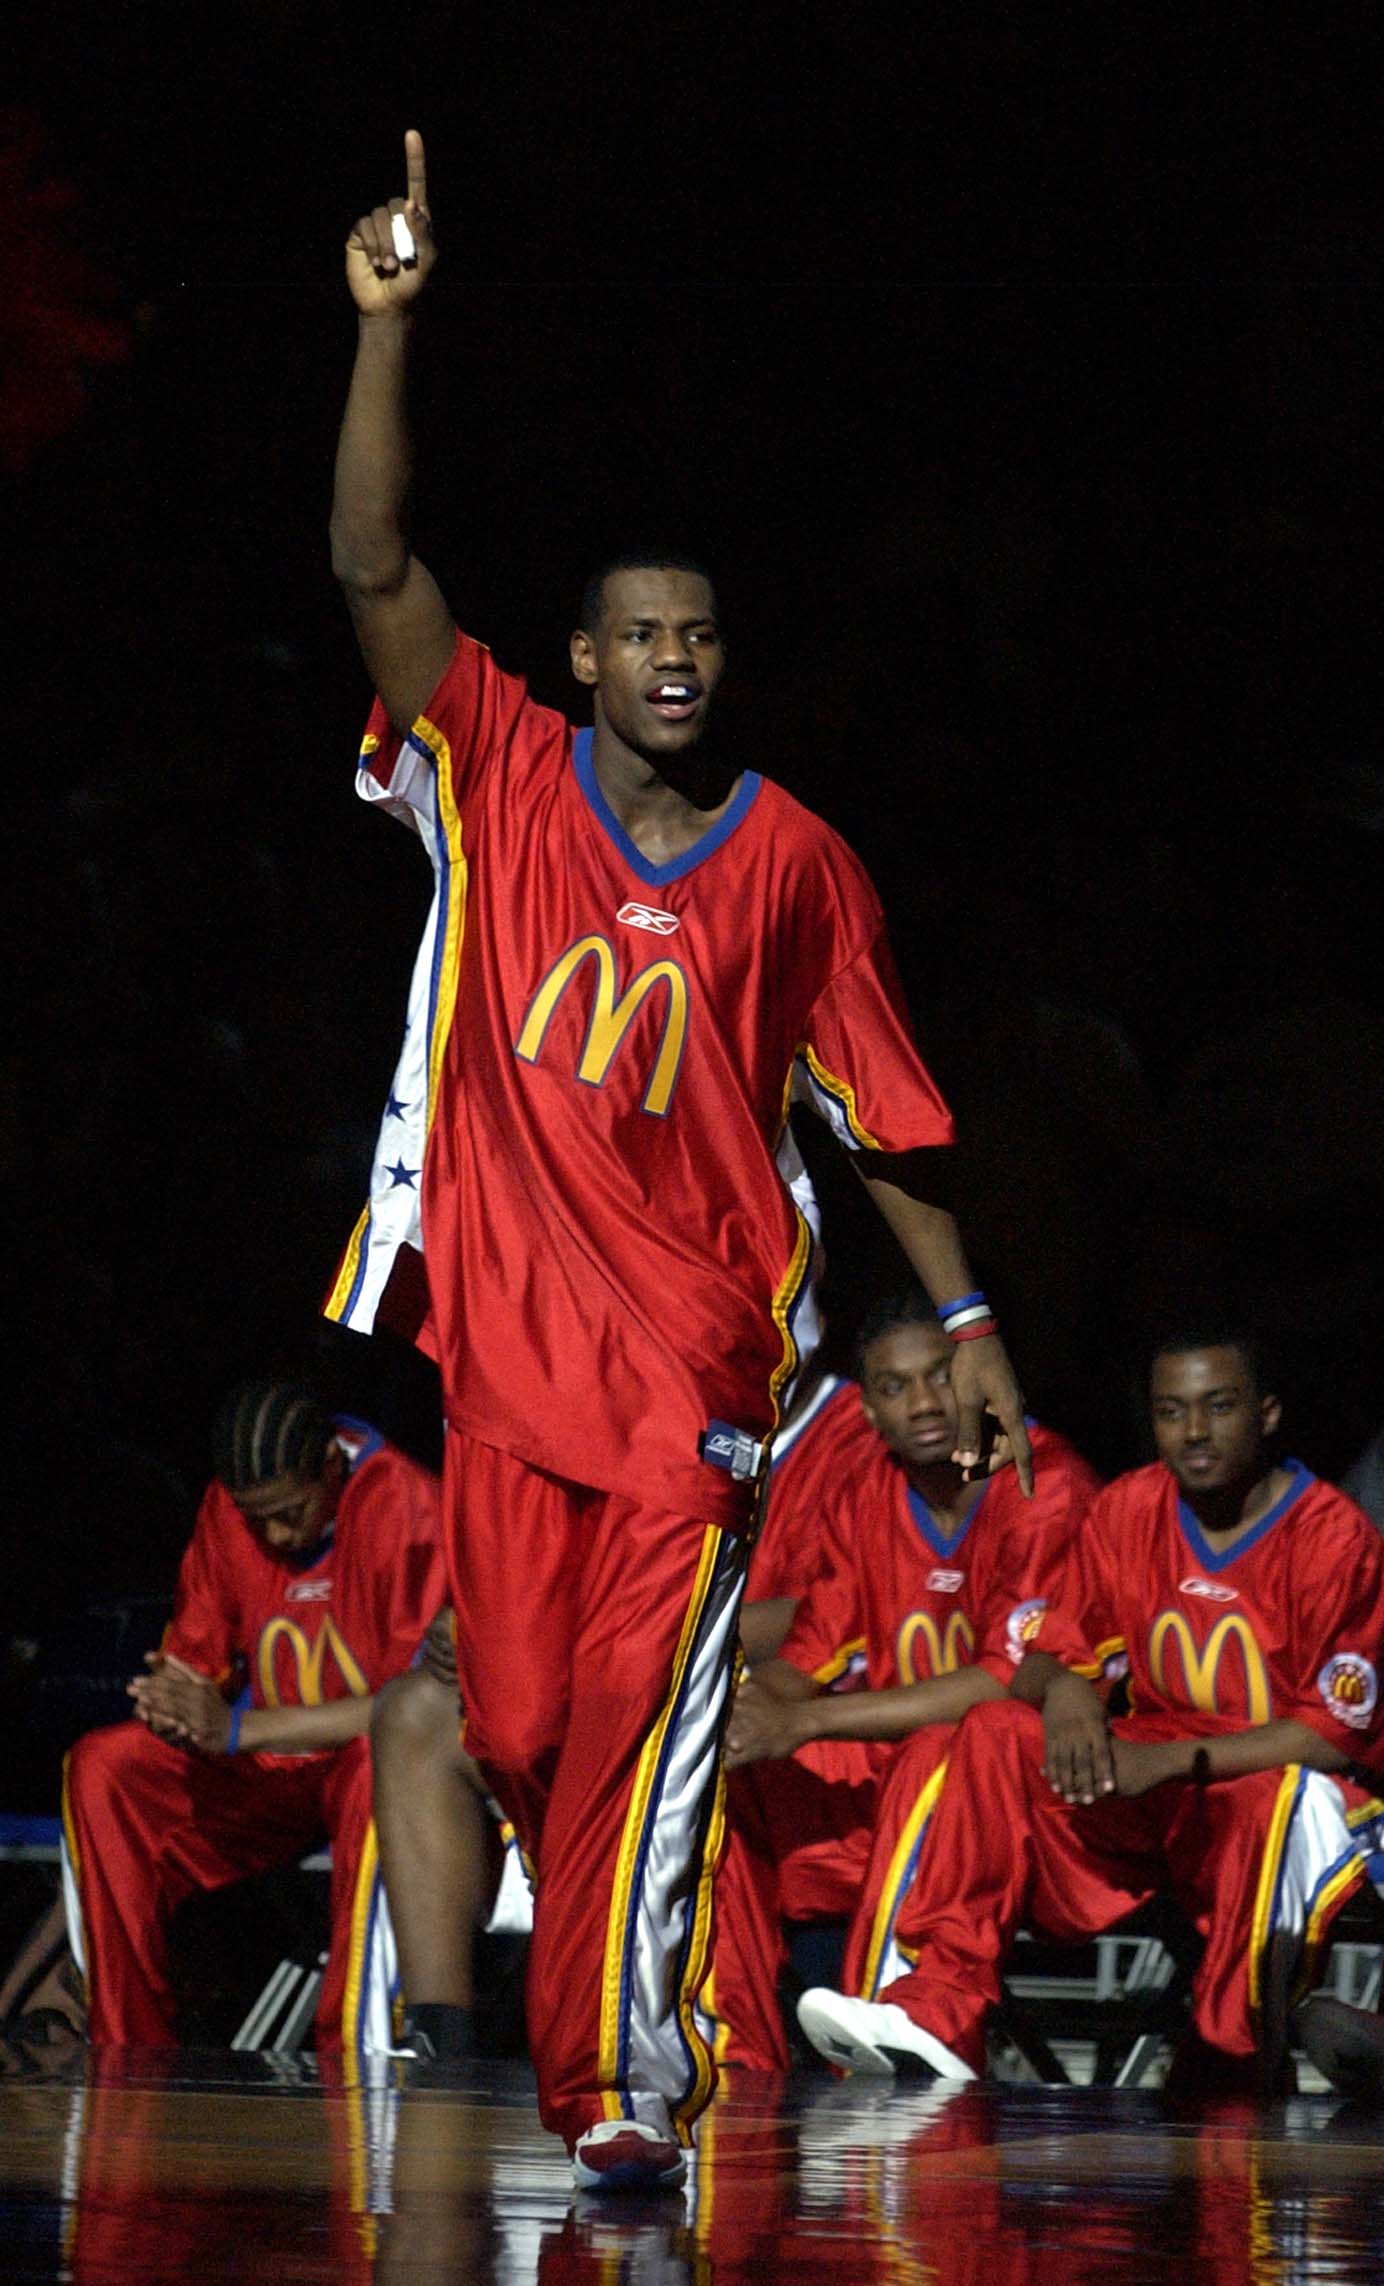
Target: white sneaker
[
  {"x": 627, "y": 2155},
  {"x": 874, "y": 2036}
]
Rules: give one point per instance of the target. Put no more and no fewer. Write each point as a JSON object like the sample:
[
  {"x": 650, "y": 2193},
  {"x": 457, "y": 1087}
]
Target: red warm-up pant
[
  {"x": 147, "y": 1824},
  {"x": 596, "y": 1642},
  {"x": 830, "y": 1833},
  {"x": 1003, "y": 1850}
]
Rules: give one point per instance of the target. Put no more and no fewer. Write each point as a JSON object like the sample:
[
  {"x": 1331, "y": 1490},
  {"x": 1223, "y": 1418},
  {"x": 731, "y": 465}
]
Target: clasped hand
[{"x": 181, "y": 1706}]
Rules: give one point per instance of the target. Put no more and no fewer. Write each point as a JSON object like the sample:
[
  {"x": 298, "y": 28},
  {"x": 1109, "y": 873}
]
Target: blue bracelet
[
  {"x": 233, "y": 1735},
  {"x": 972, "y": 1309},
  {"x": 966, "y": 1302}
]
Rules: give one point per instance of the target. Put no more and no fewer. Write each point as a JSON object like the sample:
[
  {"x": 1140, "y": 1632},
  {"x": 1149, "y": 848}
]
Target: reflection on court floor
[{"x": 156, "y": 2168}]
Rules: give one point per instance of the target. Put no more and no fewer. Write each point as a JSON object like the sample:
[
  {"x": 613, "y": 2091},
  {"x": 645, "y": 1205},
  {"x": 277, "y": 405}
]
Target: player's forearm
[
  {"x": 303, "y": 1730},
  {"x": 785, "y": 1682},
  {"x": 927, "y": 1231},
  {"x": 1270, "y": 1746},
  {"x": 374, "y": 462},
  {"x": 1035, "y": 1676},
  {"x": 763, "y": 1626},
  {"x": 898, "y": 1713}
]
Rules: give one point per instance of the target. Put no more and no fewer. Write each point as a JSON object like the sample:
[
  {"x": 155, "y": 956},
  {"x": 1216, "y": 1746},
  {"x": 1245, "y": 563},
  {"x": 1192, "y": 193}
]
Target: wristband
[
  {"x": 967, "y": 1319},
  {"x": 233, "y": 1735}
]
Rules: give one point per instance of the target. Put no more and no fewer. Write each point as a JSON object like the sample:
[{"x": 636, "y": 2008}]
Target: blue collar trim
[
  {"x": 929, "y": 1527},
  {"x": 370, "y": 1439},
  {"x": 1212, "y": 1560},
  {"x": 658, "y": 876}
]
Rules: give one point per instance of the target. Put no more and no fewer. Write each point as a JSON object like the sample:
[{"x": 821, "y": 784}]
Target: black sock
[{"x": 445, "y": 2027}]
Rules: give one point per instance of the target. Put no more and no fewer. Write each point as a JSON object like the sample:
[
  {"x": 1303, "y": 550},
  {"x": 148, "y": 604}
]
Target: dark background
[{"x": 1056, "y": 592}]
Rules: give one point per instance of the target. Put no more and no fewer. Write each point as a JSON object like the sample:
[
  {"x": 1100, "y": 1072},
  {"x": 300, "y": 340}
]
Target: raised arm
[{"x": 402, "y": 623}]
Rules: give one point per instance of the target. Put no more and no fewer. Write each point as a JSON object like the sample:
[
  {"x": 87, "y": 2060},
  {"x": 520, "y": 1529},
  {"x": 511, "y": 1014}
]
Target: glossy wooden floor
[{"x": 222, "y": 2167}]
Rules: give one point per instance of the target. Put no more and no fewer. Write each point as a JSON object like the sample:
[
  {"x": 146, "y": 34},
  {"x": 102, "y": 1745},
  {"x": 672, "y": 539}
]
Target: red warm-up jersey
[
  {"x": 919, "y": 1604},
  {"x": 813, "y": 1455},
  {"x": 582, "y": 1131},
  {"x": 335, "y": 1624},
  {"x": 1285, "y": 1625}
]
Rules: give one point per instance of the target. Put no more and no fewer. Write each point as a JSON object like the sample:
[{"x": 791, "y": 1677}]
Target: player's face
[
  {"x": 289, "y": 1514},
  {"x": 654, "y": 660},
  {"x": 905, "y": 1381},
  {"x": 1209, "y": 1419}
]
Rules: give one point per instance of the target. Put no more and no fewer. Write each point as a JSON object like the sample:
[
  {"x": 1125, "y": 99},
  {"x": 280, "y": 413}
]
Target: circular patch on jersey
[
  {"x": 1021, "y": 1628},
  {"x": 1350, "y": 1688}
]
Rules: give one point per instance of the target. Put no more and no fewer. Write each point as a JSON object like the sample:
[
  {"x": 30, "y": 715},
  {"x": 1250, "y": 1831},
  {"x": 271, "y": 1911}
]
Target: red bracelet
[{"x": 981, "y": 1332}]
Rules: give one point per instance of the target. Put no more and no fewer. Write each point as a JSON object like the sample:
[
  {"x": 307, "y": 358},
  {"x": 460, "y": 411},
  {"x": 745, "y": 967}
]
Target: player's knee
[
  {"x": 412, "y": 1714},
  {"x": 101, "y": 1762}
]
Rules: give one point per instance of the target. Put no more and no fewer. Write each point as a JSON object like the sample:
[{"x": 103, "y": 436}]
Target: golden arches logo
[
  {"x": 948, "y": 1647},
  {"x": 610, "y": 1018},
  {"x": 1200, "y": 1669},
  {"x": 308, "y": 1654}
]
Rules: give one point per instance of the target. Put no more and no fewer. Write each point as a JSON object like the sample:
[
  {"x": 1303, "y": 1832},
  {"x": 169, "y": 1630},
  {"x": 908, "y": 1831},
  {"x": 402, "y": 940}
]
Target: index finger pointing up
[{"x": 417, "y": 169}]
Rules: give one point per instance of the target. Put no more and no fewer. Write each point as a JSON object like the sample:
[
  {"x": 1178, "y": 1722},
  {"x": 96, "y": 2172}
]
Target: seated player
[
  {"x": 936, "y": 1582},
  {"x": 1250, "y": 1599},
  {"x": 314, "y": 1568},
  {"x": 440, "y": 1841}
]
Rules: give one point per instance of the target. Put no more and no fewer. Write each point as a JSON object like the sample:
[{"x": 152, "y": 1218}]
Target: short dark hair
[
  {"x": 267, "y": 1429},
  {"x": 909, "y": 1306},
  {"x": 1212, "y": 1332},
  {"x": 592, "y": 606}
]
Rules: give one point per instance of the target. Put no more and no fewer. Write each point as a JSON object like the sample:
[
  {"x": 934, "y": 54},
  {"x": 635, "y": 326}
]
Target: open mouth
[{"x": 675, "y": 701}]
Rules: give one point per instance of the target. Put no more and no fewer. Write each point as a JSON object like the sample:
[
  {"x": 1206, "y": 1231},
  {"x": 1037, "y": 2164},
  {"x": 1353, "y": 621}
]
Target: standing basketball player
[{"x": 633, "y": 946}]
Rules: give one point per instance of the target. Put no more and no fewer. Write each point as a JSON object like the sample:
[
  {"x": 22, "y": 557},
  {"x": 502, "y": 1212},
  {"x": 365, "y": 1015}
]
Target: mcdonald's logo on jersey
[
  {"x": 610, "y": 1018},
  {"x": 944, "y": 1648},
  {"x": 308, "y": 1655},
  {"x": 1201, "y": 1669}
]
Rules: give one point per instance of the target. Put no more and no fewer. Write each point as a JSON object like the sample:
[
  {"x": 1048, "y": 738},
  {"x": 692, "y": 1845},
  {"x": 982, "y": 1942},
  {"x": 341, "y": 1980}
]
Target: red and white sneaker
[{"x": 627, "y": 2155}]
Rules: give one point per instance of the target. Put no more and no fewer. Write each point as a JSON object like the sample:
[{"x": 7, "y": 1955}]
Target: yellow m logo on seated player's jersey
[
  {"x": 1200, "y": 1668},
  {"x": 611, "y": 1018},
  {"x": 948, "y": 1647},
  {"x": 308, "y": 1656}
]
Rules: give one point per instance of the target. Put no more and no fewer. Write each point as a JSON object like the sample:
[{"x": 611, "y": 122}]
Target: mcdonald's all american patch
[
  {"x": 1022, "y": 1626},
  {"x": 1350, "y": 1688}
]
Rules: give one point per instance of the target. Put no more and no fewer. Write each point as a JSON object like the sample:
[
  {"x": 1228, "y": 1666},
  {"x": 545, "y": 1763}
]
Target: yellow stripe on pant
[
  {"x": 685, "y": 1736},
  {"x": 897, "y": 1881}
]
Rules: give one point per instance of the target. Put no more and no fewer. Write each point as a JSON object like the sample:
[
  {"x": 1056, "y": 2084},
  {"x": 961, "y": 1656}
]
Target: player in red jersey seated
[
  {"x": 441, "y": 1844},
  {"x": 314, "y": 1568},
  {"x": 932, "y": 1583},
  {"x": 638, "y": 942},
  {"x": 1249, "y": 1598}
]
